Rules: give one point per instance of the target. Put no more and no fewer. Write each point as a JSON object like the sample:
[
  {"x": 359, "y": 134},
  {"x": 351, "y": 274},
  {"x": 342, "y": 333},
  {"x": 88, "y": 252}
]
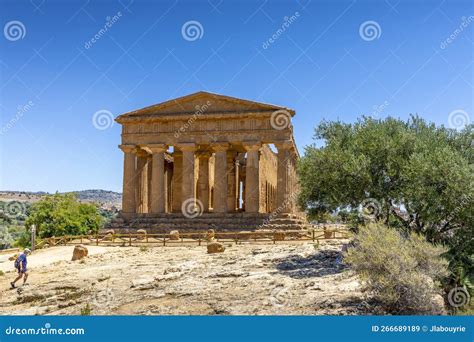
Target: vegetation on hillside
[
  {"x": 63, "y": 214},
  {"x": 53, "y": 215}
]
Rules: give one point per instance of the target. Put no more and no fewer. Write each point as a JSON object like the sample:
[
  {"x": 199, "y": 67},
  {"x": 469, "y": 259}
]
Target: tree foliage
[
  {"x": 412, "y": 174},
  {"x": 63, "y": 214}
]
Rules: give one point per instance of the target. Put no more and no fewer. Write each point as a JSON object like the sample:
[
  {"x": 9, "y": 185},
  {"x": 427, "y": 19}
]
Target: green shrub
[
  {"x": 63, "y": 214},
  {"x": 86, "y": 310},
  {"x": 401, "y": 272}
]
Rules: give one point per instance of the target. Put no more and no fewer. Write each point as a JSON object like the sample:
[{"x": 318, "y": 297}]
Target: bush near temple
[{"x": 401, "y": 272}]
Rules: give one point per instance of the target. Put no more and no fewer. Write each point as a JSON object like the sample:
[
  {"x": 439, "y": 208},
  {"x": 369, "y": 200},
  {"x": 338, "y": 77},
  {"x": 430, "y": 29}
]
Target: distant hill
[{"x": 106, "y": 199}]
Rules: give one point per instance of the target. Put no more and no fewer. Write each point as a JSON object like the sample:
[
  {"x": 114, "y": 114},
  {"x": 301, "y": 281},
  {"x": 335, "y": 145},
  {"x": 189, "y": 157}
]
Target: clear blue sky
[{"x": 320, "y": 65}]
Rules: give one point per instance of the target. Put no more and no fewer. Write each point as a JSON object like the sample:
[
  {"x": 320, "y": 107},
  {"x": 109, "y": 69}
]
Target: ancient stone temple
[{"x": 208, "y": 161}]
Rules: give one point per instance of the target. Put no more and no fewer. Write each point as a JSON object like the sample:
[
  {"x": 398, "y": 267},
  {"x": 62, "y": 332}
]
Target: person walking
[{"x": 20, "y": 264}]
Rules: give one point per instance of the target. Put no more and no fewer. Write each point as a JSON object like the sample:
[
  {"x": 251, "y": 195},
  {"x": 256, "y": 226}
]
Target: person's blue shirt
[{"x": 22, "y": 259}]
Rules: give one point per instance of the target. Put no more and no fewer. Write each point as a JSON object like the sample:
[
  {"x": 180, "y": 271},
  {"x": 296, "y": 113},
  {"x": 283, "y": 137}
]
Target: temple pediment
[{"x": 204, "y": 103}]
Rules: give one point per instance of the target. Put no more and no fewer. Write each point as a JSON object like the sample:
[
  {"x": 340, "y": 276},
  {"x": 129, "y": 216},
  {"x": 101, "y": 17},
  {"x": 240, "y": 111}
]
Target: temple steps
[{"x": 165, "y": 223}]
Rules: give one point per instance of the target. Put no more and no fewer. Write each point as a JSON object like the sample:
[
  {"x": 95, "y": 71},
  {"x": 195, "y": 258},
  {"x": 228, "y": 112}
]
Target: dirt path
[
  {"x": 246, "y": 280},
  {"x": 48, "y": 256}
]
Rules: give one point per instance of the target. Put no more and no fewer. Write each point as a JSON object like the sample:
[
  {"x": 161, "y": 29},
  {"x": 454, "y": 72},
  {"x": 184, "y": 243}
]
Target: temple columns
[
  {"x": 203, "y": 180},
  {"x": 252, "y": 182},
  {"x": 177, "y": 180},
  {"x": 157, "y": 187},
  {"x": 231, "y": 181},
  {"x": 187, "y": 187},
  {"x": 283, "y": 176},
  {"x": 142, "y": 181},
  {"x": 220, "y": 177},
  {"x": 129, "y": 180}
]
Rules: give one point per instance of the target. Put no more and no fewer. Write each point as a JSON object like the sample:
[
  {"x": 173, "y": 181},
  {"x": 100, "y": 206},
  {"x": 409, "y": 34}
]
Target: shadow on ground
[{"x": 320, "y": 264}]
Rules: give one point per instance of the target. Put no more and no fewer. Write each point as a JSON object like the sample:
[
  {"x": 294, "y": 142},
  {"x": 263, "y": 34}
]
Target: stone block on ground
[
  {"x": 79, "y": 252},
  {"x": 141, "y": 234},
  {"x": 210, "y": 235},
  {"x": 215, "y": 247},
  {"x": 174, "y": 235}
]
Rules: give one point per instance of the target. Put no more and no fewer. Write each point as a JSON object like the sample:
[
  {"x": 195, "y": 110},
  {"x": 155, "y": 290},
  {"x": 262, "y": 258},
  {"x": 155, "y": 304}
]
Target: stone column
[
  {"x": 203, "y": 180},
  {"x": 149, "y": 182},
  {"x": 142, "y": 180},
  {"x": 157, "y": 196},
  {"x": 187, "y": 188},
  {"x": 284, "y": 159},
  {"x": 220, "y": 177},
  {"x": 237, "y": 185},
  {"x": 169, "y": 178},
  {"x": 177, "y": 179},
  {"x": 252, "y": 178},
  {"x": 129, "y": 179},
  {"x": 231, "y": 181}
]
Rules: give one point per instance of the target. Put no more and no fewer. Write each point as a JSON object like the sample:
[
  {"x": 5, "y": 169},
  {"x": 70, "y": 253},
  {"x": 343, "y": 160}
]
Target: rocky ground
[{"x": 282, "y": 279}]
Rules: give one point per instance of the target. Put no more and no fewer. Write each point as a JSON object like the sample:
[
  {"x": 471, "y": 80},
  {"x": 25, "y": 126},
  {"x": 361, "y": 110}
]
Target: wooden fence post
[
  {"x": 97, "y": 239},
  {"x": 129, "y": 239}
]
